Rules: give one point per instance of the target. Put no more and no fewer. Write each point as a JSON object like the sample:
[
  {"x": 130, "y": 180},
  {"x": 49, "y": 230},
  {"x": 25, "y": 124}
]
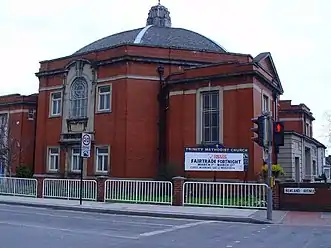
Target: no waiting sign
[{"x": 86, "y": 145}]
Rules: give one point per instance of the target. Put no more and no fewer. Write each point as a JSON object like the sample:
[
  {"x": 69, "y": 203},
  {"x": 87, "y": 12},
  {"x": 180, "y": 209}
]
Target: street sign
[{"x": 86, "y": 145}]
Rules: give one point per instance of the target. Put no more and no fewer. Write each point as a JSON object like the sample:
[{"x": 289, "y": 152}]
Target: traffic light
[
  {"x": 278, "y": 133},
  {"x": 260, "y": 130}
]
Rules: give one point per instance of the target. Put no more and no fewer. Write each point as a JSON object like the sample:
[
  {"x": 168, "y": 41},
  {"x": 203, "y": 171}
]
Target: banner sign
[{"x": 216, "y": 159}]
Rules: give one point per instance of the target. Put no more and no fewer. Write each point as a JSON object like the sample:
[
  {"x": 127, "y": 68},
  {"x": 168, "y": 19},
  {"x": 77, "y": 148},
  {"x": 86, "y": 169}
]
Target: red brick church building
[{"x": 145, "y": 95}]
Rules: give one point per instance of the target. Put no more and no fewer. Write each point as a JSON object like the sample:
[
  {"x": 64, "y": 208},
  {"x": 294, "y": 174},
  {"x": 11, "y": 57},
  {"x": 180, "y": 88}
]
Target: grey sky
[{"x": 296, "y": 32}]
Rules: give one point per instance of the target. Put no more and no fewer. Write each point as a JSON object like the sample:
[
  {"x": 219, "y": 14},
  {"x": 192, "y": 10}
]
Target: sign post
[{"x": 85, "y": 152}]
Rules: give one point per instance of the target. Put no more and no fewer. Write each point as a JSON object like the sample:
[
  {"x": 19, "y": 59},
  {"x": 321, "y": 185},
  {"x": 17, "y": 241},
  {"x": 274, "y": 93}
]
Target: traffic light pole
[
  {"x": 265, "y": 139},
  {"x": 269, "y": 150}
]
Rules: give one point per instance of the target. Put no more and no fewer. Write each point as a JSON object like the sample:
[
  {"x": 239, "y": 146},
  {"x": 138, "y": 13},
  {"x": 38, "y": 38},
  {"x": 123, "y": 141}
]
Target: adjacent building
[
  {"x": 327, "y": 167},
  {"x": 17, "y": 132},
  {"x": 302, "y": 156}
]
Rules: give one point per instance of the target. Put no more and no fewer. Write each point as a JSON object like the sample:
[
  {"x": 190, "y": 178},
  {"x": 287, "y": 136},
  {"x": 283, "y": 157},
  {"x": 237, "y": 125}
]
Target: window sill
[
  {"x": 101, "y": 173},
  {"x": 103, "y": 111},
  {"x": 54, "y": 116},
  {"x": 53, "y": 171},
  {"x": 74, "y": 172}
]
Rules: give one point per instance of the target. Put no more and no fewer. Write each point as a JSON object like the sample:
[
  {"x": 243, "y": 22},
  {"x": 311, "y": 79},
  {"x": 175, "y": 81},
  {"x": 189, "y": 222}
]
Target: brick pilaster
[
  {"x": 276, "y": 196},
  {"x": 101, "y": 188},
  {"x": 178, "y": 183},
  {"x": 40, "y": 181}
]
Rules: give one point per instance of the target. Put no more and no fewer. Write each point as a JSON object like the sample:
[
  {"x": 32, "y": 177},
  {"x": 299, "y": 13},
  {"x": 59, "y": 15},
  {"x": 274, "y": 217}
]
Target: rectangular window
[
  {"x": 314, "y": 168},
  {"x": 3, "y": 120},
  {"x": 30, "y": 114},
  {"x": 314, "y": 151},
  {"x": 75, "y": 159},
  {"x": 56, "y": 99},
  {"x": 53, "y": 159},
  {"x": 297, "y": 169},
  {"x": 327, "y": 173},
  {"x": 210, "y": 123},
  {"x": 104, "y": 98},
  {"x": 307, "y": 129},
  {"x": 102, "y": 159},
  {"x": 78, "y": 108},
  {"x": 266, "y": 104}
]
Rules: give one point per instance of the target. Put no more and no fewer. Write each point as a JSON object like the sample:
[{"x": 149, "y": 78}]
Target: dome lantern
[{"x": 159, "y": 16}]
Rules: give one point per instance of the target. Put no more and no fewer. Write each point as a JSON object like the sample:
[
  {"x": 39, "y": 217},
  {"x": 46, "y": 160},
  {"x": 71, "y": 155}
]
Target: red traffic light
[
  {"x": 279, "y": 133},
  {"x": 279, "y": 127}
]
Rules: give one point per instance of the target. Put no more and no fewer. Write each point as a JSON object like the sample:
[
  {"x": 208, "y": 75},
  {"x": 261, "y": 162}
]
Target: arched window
[{"x": 78, "y": 98}]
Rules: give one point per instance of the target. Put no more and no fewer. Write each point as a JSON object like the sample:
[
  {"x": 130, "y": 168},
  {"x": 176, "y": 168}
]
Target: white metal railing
[
  {"x": 227, "y": 195},
  {"x": 69, "y": 189},
  {"x": 18, "y": 186},
  {"x": 138, "y": 191}
]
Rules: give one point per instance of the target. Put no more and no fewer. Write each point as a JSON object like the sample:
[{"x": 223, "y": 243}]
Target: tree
[
  {"x": 10, "y": 148},
  {"x": 327, "y": 125}
]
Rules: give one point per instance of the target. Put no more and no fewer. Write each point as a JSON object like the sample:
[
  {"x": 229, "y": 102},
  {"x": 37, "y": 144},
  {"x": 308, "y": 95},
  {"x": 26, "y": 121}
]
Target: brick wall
[
  {"x": 275, "y": 195},
  {"x": 319, "y": 201}
]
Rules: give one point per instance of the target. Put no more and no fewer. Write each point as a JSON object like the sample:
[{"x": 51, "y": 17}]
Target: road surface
[{"x": 46, "y": 228}]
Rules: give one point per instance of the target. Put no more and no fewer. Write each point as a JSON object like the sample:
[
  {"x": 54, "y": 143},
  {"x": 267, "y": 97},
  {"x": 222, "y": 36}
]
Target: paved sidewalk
[
  {"x": 297, "y": 218},
  {"x": 198, "y": 213}
]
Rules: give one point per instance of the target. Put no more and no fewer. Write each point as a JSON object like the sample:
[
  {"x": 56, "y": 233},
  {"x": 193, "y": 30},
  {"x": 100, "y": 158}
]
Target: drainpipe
[
  {"x": 303, "y": 163},
  {"x": 20, "y": 138},
  {"x": 35, "y": 139},
  {"x": 162, "y": 122},
  {"x": 275, "y": 100}
]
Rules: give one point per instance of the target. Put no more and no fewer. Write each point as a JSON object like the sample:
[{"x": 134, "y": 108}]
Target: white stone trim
[
  {"x": 291, "y": 119},
  {"x": 141, "y": 34},
  {"x": 241, "y": 86},
  {"x": 118, "y": 77},
  {"x": 108, "y": 79},
  {"x": 182, "y": 92},
  {"x": 199, "y": 115},
  {"x": 57, "y": 87},
  {"x": 189, "y": 92},
  {"x": 14, "y": 111},
  {"x": 224, "y": 88}
]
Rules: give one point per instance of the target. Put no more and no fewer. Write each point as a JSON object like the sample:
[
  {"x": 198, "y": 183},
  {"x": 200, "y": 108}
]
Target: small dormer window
[{"x": 31, "y": 114}]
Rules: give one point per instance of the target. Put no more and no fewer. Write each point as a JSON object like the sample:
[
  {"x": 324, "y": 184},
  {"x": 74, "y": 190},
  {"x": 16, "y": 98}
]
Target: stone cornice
[
  {"x": 257, "y": 74},
  {"x": 297, "y": 111},
  {"x": 75, "y": 55},
  {"x": 18, "y": 103},
  {"x": 127, "y": 59},
  {"x": 307, "y": 138}
]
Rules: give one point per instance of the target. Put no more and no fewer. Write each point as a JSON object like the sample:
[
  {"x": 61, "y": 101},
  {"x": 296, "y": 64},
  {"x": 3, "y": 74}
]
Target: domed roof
[{"x": 159, "y": 33}]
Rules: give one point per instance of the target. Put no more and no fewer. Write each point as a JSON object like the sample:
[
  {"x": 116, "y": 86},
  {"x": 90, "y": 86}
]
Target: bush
[
  {"x": 23, "y": 171},
  {"x": 277, "y": 170}
]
